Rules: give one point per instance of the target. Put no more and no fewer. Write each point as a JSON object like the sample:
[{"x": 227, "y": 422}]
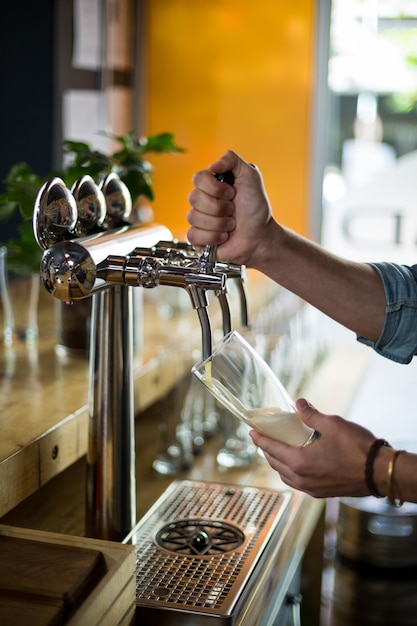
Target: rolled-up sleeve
[{"x": 398, "y": 339}]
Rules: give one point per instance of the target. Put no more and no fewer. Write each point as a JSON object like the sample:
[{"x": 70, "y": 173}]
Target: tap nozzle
[{"x": 151, "y": 272}]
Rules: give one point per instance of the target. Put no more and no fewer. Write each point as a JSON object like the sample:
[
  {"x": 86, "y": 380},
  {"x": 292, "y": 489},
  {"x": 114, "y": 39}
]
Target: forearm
[
  {"x": 239, "y": 221},
  {"x": 349, "y": 292}
]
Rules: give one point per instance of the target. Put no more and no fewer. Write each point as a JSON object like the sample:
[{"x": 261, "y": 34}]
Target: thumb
[{"x": 305, "y": 409}]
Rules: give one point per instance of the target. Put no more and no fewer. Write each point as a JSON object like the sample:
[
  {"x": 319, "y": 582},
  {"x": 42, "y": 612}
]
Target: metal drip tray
[{"x": 198, "y": 549}]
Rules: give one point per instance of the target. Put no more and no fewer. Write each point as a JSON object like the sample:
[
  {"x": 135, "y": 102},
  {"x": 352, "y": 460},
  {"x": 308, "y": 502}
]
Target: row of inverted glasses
[{"x": 189, "y": 417}]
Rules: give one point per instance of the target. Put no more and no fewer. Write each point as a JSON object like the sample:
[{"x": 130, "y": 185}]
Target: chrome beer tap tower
[{"x": 90, "y": 250}]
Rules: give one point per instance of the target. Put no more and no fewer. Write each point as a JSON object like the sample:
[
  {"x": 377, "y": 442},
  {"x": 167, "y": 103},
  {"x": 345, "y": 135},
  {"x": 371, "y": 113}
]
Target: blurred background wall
[{"x": 236, "y": 74}]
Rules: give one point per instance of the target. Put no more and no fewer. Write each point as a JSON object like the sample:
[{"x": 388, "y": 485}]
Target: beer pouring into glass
[
  {"x": 241, "y": 381},
  {"x": 238, "y": 377}
]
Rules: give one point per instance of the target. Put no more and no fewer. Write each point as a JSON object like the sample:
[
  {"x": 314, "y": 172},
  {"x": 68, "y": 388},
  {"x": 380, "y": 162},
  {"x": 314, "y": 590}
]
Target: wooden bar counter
[
  {"x": 44, "y": 397},
  {"x": 44, "y": 419}
]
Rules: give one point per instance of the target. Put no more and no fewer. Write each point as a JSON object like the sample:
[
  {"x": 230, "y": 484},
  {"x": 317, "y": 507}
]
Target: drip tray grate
[{"x": 198, "y": 547}]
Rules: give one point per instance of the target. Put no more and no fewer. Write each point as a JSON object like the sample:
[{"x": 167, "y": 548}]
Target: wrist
[
  {"x": 271, "y": 245},
  {"x": 381, "y": 478}
]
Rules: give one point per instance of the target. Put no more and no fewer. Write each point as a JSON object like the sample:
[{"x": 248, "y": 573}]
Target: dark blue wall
[{"x": 26, "y": 92}]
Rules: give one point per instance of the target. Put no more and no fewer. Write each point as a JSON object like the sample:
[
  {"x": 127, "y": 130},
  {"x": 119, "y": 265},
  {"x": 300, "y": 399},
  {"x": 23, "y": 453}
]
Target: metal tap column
[
  {"x": 111, "y": 485},
  {"x": 78, "y": 230}
]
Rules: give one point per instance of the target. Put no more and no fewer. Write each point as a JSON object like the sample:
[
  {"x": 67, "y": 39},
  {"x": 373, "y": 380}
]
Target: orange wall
[{"x": 231, "y": 74}]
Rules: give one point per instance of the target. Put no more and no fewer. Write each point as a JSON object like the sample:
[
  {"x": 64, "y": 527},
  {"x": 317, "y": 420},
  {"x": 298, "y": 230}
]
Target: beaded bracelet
[
  {"x": 397, "y": 502},
  {"x": 369, "y": 466}
]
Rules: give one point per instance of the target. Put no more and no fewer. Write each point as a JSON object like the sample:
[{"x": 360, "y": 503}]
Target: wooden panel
[
  {"x": 58, "y": 449},
  {"x": 81, "y": 417},
  {"x": 129, "y": 619},
  {"x": 59, "y": 575},
  {"x": 112, "y": 594},
  {"x": 19, "y": 477},
  {"x": 117, "y": 608},
  {"x": 18, "y": 611}
]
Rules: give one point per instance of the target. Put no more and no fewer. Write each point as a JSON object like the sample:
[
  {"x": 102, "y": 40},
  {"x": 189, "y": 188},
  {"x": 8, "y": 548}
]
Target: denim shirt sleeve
[{"x": 398, "y": 339}]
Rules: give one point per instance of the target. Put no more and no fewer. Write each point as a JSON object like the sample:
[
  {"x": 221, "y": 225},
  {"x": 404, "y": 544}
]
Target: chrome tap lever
[
  {"x": 91, "y": 206},
  {"x": 150, "y": 272},
  {"x": 118, "y": 200},
  {"x": 208, "y": 255},
  {"x": 236, "y": 272},
  {"x": 164, "y": 249},
  {"x": 207, "y": 264},
  {"x": 55, "y": 214},
  {"x": 69, "y": 269},
  {"x": 61, "y": 214},
  {"x": 207, "y": 259}
]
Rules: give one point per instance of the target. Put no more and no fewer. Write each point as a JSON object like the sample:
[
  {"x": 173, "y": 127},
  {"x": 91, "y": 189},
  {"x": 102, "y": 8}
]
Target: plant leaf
[
  {"x": 23, "y": 254},
  {"x": 23, "y": 185}
]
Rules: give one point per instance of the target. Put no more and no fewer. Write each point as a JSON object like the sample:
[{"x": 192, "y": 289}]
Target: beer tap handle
[
  {"x": 61, "y": 214},
  {"x": 118, "y": 201},
  {"x": 207, "y": 263},
  {"x": 228, "y": 177},
  {"x": 91, "y": 206},
  {"x": 55, "y": 214},
  {"x": 208, "y": 255}
]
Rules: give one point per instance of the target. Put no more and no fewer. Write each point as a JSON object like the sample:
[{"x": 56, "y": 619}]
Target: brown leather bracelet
[{"x": 369, "y": 466}]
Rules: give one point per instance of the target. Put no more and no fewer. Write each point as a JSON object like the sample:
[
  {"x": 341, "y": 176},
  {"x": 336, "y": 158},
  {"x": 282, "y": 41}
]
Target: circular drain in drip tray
[{"x": 199, "y": 537}]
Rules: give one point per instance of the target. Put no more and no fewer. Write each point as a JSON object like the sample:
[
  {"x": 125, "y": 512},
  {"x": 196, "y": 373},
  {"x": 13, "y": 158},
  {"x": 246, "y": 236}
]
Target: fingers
[
  {"x": 207, "y": 182},
  {"x": 201, "y": 238},
  {"x": 272, "y": 447},
  {"x": 211, "y": 216},
  {"x": 290, "y": 463},
  {"x": 229, "y": 161},
  {"x": 309, "y": 414},
  {"x": 305, "y": 409},
  {"x": 218, "y": 210},
  {"x": 208, "y": 205},
  {"x": 210, "y": 228}
]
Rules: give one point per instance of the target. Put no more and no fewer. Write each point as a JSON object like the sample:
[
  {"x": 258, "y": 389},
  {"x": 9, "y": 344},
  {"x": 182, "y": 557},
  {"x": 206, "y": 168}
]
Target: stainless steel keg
[{"x": 375, "y": 579}]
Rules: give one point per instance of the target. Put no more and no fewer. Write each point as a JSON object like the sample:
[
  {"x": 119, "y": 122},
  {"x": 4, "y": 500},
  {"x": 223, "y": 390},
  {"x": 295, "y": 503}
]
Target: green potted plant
[{"x": 22, "y": 185}]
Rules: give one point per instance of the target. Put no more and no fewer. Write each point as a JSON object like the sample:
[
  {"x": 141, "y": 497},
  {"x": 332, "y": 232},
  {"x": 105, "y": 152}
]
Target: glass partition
[{"x": 369, "y": 190}]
